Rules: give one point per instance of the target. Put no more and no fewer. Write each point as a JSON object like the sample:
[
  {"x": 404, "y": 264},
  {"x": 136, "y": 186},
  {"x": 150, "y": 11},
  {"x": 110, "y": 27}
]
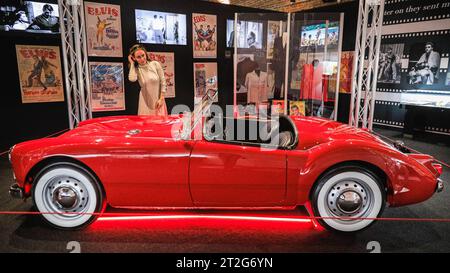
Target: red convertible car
[{"x": 347, "y": 174}]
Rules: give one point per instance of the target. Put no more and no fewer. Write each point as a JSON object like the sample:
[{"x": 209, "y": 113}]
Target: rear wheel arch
[{"x": 355, "y": 163}]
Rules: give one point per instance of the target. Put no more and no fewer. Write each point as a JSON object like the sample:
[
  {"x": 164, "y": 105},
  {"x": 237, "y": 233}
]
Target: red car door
[{"x": 222, "y": 174}]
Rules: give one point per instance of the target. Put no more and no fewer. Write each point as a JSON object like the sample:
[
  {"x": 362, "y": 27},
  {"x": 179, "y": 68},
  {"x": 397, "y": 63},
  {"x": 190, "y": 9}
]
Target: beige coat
[{"x": 152, "y": 81}]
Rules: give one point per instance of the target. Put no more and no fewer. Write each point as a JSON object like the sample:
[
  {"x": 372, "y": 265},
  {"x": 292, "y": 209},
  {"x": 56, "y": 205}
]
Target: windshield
[{"x": 201, "y": 109}]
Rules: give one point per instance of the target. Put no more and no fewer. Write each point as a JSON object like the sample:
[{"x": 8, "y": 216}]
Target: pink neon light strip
[{"x": 159, "y": 217}]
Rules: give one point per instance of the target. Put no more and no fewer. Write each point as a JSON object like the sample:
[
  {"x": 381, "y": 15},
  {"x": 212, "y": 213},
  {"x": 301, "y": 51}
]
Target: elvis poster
[
  {"x": 205, "y": 77},
  {"x": 40, "y": 73},
  {"x": 107, "y": 89},
  {"x": 103, "y": 29},
  {"x": 167, "y": 61},
  {"x": 204, "y": 27}
]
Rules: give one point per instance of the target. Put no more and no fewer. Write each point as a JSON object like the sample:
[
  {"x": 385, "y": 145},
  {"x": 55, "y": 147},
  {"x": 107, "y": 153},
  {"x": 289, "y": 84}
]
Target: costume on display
[
  {"x": 153, "y": 83},
  {"x": 256, "y": 83}
]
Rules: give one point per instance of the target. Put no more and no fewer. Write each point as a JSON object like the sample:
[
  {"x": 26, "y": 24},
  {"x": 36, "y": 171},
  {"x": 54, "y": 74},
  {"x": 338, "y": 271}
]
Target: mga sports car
[{"x": 346, "y": 174}]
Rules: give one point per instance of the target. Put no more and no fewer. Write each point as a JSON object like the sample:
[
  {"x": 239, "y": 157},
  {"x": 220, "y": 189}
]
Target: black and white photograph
[
  {"x": 230, "y": 33},
  {"x": 424, "y": 62},
  {"x": 389, "y": 67},
  {"x": 153, "y": 27},
  {"x": 29, "y": 16}
]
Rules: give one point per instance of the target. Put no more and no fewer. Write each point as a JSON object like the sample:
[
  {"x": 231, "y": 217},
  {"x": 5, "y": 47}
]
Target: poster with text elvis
[
  {"x": 389, "y": 66},
  {"x": 424, "y": 63},
  {"x": 40, "y": 73},
  {"x": 205, "y": 77},
  {"x": 204, "y": 33},
  {"x": 167, "y": 61},
  {"x": 107, "y": 89},
  {"x": 103, "y": 29}
]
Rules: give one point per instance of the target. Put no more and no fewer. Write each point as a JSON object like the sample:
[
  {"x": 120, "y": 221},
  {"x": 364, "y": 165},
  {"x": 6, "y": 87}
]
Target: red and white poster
[
  {"x": 167, "y": 61},
  {"x": 40, "y": 73},
  {"x": 205, "y": 77},
  {"x": 103, "y": 29},
  {"x": 204, "y": 37}
]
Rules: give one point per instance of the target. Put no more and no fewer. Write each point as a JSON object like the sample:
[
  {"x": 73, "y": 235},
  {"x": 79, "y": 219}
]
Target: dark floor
[{"x": 30, "y": 234}]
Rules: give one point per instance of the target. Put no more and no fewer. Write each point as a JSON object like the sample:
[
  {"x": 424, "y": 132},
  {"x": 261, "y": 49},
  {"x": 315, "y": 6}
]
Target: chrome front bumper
[
  {"x": 439, "y": 185},
  {"x": 15, "y": 191}
]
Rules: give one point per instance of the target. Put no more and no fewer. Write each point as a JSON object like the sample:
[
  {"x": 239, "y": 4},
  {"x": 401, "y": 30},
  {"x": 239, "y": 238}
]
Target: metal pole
[
  {"x": 62, "y": 11},
  {"x": 377, "y": 60},
  {"x": 353, "y": 119},
  {"x": 338, "y": 76},
  {"x": 235, "y": 66},
  {"x": 286, "y": 74}
]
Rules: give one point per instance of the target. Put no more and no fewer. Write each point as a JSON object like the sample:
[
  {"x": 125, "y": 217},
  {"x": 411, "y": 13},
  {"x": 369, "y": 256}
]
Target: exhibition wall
[
  {"x": 24, "y": 120},
  {"x": 407, "y": 26}
]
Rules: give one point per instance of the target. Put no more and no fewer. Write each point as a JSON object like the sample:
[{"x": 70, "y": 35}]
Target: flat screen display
[
  {"x": 250, "y": 34},
  {"x": 314, "y": 35},
  {"x": 154, "y": 27},
  {"x": 30, "y": 16}
]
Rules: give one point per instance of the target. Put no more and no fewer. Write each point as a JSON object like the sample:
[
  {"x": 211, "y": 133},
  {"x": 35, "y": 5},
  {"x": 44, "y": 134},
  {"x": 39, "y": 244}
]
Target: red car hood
[
  {"x": 313, "y": 131},
  {"x": 148, "y": 126}
]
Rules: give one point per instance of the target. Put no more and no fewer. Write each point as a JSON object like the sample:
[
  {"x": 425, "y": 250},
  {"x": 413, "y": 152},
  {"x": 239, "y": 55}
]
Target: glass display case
[
  {"x": 315, "y": 40},
  {"x": 286, "y": 63},
  {"x": 261, "y": 43}
]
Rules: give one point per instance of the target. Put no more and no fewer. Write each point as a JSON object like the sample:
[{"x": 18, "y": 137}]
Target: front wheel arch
[{"x": 37, "y": 168}]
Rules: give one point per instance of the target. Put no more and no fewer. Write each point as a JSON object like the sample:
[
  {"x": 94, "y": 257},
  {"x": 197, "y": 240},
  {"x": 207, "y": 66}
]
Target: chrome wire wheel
[
  {"x": 67, "y": 196},
  {"x": 348, "y": 199}
]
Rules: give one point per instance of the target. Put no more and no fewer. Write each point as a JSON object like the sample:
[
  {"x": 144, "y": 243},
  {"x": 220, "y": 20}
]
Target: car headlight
[{"x": 9, "y": 154}]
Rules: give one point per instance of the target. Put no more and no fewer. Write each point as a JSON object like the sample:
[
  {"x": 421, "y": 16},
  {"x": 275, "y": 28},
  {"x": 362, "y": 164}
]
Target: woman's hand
[
  {"x": 130, "y": 59},
  {"x": 159, "y": 103}
]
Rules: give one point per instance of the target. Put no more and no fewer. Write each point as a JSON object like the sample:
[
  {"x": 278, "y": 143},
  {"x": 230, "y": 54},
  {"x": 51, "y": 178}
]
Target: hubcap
[
  {"x": 64, "y": 194},
  {"x": 349, "y": 199},
  {"x": 66, "y": 197},
  {"x": 349, "y": 202}
]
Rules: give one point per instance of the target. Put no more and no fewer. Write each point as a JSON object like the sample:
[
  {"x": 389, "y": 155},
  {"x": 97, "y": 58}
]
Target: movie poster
[
  {"x": 205, "y": 77},
  {"x": 346, "y": 72},
  {"x": 107, "y": 91},
  {"x": 103, "y": 29},
  {"x": 274, "y": 28},
  {"x": 204, "y": 35},
  {"x": 167, "y": 61},
  {"x": 40, "y": 73}
]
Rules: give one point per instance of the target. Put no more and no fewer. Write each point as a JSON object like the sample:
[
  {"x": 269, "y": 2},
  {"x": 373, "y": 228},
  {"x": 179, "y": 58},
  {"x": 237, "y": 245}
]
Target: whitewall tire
[
  {"x": 348, "y": 199},
  {"x": 67, "y": 195}
]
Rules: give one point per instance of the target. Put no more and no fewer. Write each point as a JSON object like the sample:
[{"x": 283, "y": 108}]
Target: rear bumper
[
  {"x": 15, "y": 191},
  {"x": 439, "y": 185}
]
